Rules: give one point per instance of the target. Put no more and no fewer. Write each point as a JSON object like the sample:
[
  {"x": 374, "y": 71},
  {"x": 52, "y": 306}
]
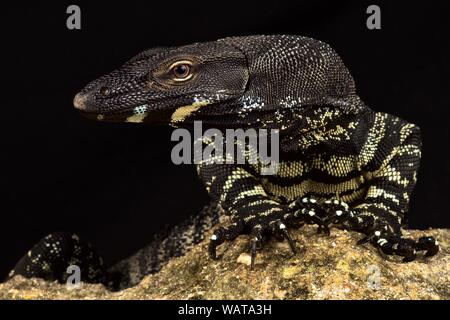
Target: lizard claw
[
  {"x": 213, "y": 245},
  {"x": 429, "y": 244},
  {"x": 281, "y": 228},
  {"x": 221, "y": 234},
  {"x": 255, "y": 244},
  {"x": 288, "y": 238}
]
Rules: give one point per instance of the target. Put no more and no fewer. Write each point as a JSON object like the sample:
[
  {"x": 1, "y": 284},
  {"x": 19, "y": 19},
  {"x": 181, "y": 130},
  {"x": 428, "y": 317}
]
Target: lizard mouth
[{"x": 137, "y": 114}]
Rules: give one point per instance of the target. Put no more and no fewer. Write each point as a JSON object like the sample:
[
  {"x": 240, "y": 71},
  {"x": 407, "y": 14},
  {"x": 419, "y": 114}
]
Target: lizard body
[{"x": 341, "y": 163}]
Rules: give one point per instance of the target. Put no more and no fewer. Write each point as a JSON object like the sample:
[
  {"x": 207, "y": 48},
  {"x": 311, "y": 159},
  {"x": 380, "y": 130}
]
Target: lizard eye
[
  {"x": 181, "y": 70},
  {"x": 104, "y": 91}
]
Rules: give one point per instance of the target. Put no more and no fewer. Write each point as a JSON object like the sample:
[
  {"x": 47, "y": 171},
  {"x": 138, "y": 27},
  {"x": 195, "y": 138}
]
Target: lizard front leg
[
  {"x": 252, "y": 210},
  {"x": 385, "y": 206},
  {"x": 391, "y": 176}
]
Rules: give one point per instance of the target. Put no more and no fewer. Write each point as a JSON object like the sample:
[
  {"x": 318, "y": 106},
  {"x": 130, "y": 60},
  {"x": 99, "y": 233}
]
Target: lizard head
[
  {"x": 245, "y": 81},
  {"x": 163, "y": 85}
]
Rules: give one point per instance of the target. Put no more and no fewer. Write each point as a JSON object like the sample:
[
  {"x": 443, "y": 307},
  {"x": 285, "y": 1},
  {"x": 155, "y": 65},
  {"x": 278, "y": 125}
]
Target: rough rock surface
[{"x": 331, "y": 267}]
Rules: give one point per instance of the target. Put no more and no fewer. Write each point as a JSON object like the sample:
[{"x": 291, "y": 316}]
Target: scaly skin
[{"x": 340, "y": 162}]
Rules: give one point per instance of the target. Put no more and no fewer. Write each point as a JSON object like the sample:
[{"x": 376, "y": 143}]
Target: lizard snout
[{"x": 79, "y": 101}]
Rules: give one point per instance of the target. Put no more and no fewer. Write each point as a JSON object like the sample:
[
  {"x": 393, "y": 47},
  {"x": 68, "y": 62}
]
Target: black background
[{"x": 115, "y": 184}]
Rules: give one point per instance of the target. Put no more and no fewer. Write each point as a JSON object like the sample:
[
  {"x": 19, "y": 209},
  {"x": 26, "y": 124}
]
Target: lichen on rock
[{"x": 326, "y": 267}]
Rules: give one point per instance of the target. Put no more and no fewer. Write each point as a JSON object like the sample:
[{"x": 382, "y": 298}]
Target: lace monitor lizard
[{"x": 340, "y": 162}]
